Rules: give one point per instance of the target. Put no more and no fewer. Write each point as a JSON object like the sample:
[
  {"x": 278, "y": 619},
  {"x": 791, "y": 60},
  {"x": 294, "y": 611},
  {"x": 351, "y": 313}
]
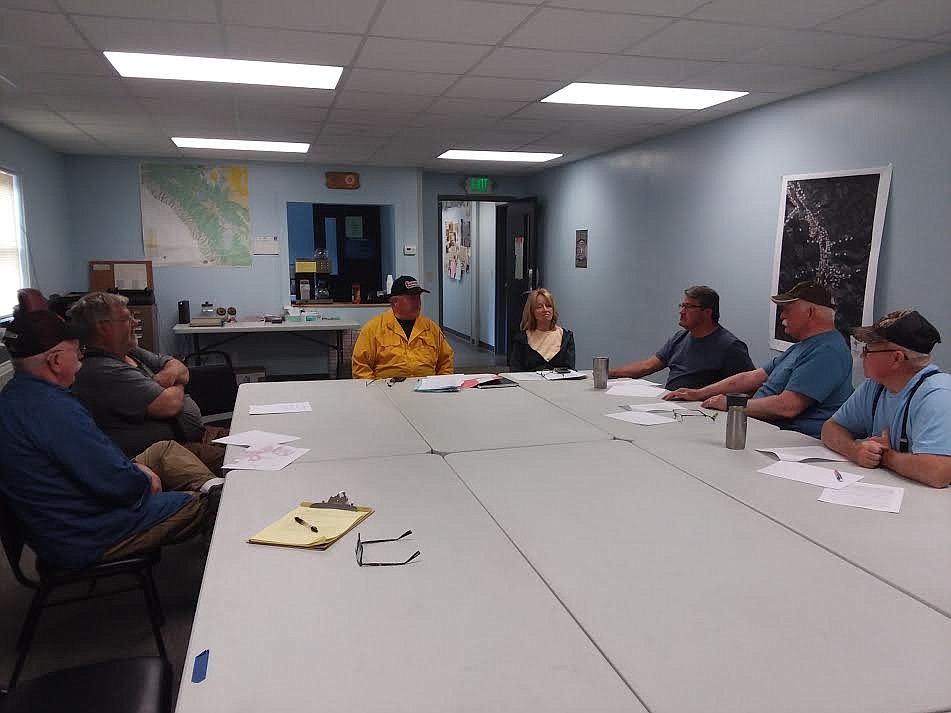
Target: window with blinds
[{"x": 13, "y": 273}]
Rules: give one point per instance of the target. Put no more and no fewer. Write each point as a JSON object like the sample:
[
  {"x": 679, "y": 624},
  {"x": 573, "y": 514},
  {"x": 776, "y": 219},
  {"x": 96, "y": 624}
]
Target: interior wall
[
  {"x": 702, "y": 207},
  {"x": 45, "y": 212},
  {"x": 105, "y": 223},
  {"x": 456, "y": 294},
  {"x": 484, "y": 239}
]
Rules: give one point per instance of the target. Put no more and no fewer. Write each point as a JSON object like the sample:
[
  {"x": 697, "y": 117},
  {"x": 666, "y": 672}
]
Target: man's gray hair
[
  {"x": 707, "y": 297},
  {"x": 93, "y": 308},
  {"x": 916, "y": 360}
]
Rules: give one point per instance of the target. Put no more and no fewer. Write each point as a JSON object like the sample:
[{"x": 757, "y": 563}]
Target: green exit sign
[{"x": 478, "y": 184}]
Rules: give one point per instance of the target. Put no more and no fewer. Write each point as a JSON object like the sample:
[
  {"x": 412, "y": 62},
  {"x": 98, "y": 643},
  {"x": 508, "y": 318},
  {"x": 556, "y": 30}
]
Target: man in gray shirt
[
  {"x": 701, "y": 353},
  {"x": 136, "y": 397}
]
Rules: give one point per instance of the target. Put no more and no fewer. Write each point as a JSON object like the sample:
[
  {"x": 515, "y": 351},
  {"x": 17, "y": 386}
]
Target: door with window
[{"x": 516, "y": 265}]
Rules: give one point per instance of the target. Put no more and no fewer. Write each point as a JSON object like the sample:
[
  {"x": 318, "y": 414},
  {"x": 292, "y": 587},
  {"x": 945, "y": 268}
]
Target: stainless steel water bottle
[
  {"x": 600, "y": 369},
  {"x": 736, "y": 421}
]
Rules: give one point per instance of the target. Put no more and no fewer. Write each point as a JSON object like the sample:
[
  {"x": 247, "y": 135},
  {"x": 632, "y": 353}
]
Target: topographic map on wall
[
  {"x": 195, "y": 215},
  {"x": 830, "y": 231}
]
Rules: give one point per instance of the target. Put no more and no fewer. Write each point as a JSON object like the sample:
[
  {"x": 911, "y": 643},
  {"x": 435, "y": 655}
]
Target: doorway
[{"x": 487, "y": 262}]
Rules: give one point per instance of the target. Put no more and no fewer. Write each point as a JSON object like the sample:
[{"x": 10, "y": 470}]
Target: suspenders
[{"x": 903, "y": 441}]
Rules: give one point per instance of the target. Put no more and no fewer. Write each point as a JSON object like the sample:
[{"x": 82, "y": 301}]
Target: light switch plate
[{"x": 409, "y": 249}]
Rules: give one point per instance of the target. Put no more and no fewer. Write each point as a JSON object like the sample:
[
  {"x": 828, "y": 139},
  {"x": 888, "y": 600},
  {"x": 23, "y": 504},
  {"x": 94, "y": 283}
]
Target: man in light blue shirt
[
  {"x": 900, "y": 417},
  {"x": 804, "y": 386}
]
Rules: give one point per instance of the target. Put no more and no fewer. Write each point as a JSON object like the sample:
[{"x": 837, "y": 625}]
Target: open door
[{"x": 516, "y": 258}]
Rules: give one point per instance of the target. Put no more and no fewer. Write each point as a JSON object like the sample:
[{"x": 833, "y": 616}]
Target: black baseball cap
[
  {"x": 406, "y": 285},
  {"x": 807, "y": 291},
  {"x": 904, "y": 327},
  {"x": 32, "y": 333}
]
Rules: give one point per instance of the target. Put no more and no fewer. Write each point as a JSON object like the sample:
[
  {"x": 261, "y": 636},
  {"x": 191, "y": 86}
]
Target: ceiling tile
[
  {"x": 448, "y": 20},
  {"x": 24, "y": 117},
  {"x": 357, "y": 143},
  {"x": 453, "y": 121},
  {"x": 21, "y": 61},
  {"x": 382, "y": 103},
  {"x": 666, "y": 8},
  {"x": 99, "y": 118},
  {"x": 688, "y": 39},
  {"x": 598, "y": 115},
  {"x": 910, "y": 19},
  {"x": 492, "y": 88},
  {"x": 79, "y": 84},
  {"x": 799, "y": 14},
  {"x": 808, "y": 48},
  {"x": 38, "y": 29},
  {"x": 221, "y": 92},
  {"x": 537, "y": 64},
  {"x": 398, "y": 82},
  {"x": 38, "y": 5},
  {"x": 78, "y": 102},
  {"x": 350, "y": 16},
  {"x": 277, "y": 131},
  {"x": 80, "y": 146},
  {"x": 382, "y": 132},
  {"x": 269, "y": 110},
  {"x": 177, "y": 125},
  {"x": 190, "y": 10},
  {"x": 591, "y": 31},
  {"x": 370, "y": 118},
  {"x": 196, "y": 106},
  {"x": 289, "y": 45},
  {"x": 341, "y": 154},
  {"x": 419, "y": 56},
  {"x": 649, "y": 71},
  {"x": 127, "y": 135},
  {"x": 766, "y": 78},
  {"x": 911, "y": 52},
  {"x": 476, "y": 107},
  {"x": 160, "y": 36}
]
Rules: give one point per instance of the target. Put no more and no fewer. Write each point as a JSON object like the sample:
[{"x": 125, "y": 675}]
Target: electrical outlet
[{"x": 409, "y": 249}]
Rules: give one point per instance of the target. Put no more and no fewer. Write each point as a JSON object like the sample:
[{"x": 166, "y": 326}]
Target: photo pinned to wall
[
  {"x": 581, "y": 248},
  {"x": 830, "y": 231},
  {"x": 455, "y": 255}
]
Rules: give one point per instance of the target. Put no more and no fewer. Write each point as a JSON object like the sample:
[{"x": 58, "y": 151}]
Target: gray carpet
[{"x": 110, "y": 627}]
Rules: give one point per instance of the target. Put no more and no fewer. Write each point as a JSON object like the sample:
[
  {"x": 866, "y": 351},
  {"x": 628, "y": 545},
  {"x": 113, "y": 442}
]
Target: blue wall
[
  {"x": 702, "y": 206},
  {"x": 48, "y": 233}
]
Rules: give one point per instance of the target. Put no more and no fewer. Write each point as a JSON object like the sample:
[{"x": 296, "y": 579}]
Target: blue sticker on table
[{"x": 200, "y": 669}]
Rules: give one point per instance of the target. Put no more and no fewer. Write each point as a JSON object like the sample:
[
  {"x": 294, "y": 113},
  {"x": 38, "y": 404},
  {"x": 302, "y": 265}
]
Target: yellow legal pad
[{"x": 332, "y": 524}]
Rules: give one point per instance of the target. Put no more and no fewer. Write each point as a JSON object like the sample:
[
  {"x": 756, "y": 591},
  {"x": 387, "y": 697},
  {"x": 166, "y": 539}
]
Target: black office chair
[
  {"x": 47, "y": 580},
  {"x": 137, "y": 685},
  {"x": 212, "y": 384}
]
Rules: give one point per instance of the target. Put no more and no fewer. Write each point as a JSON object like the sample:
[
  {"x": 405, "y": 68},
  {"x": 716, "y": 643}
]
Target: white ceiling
[{"x": 422, "y": 76}]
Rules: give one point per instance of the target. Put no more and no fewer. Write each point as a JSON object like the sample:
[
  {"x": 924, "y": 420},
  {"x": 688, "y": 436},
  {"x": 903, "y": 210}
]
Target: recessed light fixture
[
  {"x": 649, "y": 97},
  {"x": 524, "y": 156},
  {"x": 240, "y": 145},
  {"x": 233, "y": 71}
]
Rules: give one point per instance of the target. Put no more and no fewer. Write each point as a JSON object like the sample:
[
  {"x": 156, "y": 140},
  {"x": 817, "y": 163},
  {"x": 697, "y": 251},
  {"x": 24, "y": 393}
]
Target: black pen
[
  {"x": 301, "y": 521},
  {"x": 838, "y": 475}
]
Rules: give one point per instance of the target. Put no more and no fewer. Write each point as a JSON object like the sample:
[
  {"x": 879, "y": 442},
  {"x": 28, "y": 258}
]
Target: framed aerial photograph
[{"x": 830, "y": 231}]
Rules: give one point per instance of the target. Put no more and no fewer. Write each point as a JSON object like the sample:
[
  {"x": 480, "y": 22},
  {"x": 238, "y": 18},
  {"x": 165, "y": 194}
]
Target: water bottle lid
[{"x": 736, "y": 400}]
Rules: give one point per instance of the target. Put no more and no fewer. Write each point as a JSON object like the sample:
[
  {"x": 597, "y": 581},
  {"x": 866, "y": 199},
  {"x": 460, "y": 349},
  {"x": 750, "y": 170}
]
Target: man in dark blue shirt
[
  {"x": 701, "y": 353},
  {"x": 76, "y": 497}
]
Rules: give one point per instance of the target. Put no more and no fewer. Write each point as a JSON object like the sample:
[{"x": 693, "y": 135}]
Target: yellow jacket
[{"x": 382, "y": 349}]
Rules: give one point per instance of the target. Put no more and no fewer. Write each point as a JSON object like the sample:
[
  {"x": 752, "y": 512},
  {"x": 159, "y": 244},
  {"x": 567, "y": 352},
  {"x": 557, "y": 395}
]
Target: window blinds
[{"x": 10, "y": 275}]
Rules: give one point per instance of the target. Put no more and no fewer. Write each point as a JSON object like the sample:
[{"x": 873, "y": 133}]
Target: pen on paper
[
  {"x": 301, "y": 521},
  {"x": 838, "y": 475}
]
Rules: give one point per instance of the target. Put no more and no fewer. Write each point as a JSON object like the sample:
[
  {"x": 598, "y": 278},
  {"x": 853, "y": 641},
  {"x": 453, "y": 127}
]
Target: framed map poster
[{"x": 830, "y": 231}]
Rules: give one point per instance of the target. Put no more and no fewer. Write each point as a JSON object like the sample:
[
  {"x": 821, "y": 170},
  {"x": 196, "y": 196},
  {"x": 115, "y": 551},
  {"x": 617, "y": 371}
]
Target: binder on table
[{"x": 294, "y": 529}]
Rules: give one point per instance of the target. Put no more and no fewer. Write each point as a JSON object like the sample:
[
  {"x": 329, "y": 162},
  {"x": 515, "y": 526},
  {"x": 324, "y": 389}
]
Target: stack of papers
[
  {"x": 255, "y": 438},
  {"x": 641, "y": 418},
  {"x": 447, "y": 382},
  {"x": 847, "y": 491},
  {"x": 266, "y": 457},
  {"x": 884, "y": 498},
  {"x": 525, "y": 376},
  {"x": 298, "y": 407},
  {"x": 811, "y": 474},
  {"x": 802, "y": 453},
  {"x": 636, "y": 387},
  {"x": 664, "y": 406}
]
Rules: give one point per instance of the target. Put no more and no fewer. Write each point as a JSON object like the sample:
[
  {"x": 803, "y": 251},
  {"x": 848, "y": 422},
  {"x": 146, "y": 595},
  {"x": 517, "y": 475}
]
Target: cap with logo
[
  {"x": 32, "y": 333},
  {"x": 904, "y": 327},
  {"x": 406, "y": 285},
  {"x": 807, "y": 291}
]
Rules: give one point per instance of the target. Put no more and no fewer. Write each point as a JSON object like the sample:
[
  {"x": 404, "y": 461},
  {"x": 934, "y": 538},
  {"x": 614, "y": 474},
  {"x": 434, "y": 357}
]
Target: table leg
[{"x": 339, "y": 351}]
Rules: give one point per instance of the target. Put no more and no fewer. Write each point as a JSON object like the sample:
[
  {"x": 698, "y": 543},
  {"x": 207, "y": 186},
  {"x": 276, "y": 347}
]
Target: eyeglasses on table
[{"x": 362, "y": 542}]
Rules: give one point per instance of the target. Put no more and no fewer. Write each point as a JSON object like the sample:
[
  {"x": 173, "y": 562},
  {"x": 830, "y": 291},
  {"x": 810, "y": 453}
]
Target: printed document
[
  {"x": 802, "y": 453},
  {"x": 641, "y": 418},
  {"x": 885, "y": 498},
  {"x": 525, "y": 376},
  {"x": 668, "y": 406},
  {"x": 298, "y": 407},
  {"x": 447, "y": 382},
  {"x": 255, "y": 438},
  {"x": 633, "y": 388},
  {"x": 270, "y": 457},
  {"x": 811, "y": 474}
]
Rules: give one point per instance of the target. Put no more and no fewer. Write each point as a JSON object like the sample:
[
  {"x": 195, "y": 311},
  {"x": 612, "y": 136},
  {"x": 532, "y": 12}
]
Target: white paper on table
[
  {"x": 631, "y": 388},
  {"x": 641, "y": 418},
  {"x": 665, "y": 406},
  {"x": 811, "y": 474},
  {"x": 446, "y": 382},
  {"x": 255, "y": 438},
  {"x": 801, "y": 453},
  {"x": 525, "y": 376},
  {"x": 629, "y": 380},
  {"x": 884, "y": 498},
  {"x": 290, "y": 407},
  {"x": 272, "y": 457}
]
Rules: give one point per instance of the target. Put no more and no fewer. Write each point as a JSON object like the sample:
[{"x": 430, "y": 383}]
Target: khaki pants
[
  {"x": 211, "y": 454},
  {"x": 178, "y": 469}
]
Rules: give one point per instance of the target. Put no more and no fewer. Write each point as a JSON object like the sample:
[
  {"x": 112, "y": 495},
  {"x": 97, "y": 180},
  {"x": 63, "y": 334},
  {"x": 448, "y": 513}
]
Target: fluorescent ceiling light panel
[
  {"x": 233, "y": 71},
  {"x": 523, "y": 156},
  {"x": 649, "y": 97},
  {"x": 240, "y": 145}
]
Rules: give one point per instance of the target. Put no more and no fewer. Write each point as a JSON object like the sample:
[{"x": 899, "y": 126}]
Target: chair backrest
[
  {"x": 212, "y": 383},
  {"x": 13, "y": 543},
  {"x": 30, "y": 299}
]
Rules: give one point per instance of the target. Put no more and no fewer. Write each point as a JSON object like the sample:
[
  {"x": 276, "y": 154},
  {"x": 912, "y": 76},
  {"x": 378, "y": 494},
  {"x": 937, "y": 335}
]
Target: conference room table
[
  {"x": 467, "y": 627},
  {"x": 230, "y": 331},
  {"x": 911, "y": 549}
]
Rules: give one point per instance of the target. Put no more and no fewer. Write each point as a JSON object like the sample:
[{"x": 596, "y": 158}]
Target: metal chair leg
[
  {"x": 27, "y": 632},
  {"x": 155, "y": 614}
]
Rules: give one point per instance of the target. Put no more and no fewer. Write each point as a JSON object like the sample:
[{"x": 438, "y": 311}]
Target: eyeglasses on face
[
  {"x": 361, "y": 543},
  {"x": 866, "y": 351},
  {"x": 684, "y": 305}
]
